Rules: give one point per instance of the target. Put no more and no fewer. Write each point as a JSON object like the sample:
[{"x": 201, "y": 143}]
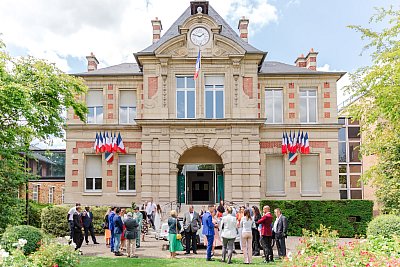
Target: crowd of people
[{"x": 222, "y": 225}]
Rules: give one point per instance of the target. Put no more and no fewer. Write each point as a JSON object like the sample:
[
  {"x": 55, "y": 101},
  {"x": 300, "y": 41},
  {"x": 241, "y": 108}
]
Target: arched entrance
[{"x": 200, "y": 177}]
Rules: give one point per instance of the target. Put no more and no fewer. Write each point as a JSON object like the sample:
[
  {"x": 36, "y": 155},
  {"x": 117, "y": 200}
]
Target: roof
[
  {"x": 122, "y": 69},
  {"x": 274, "y": 67},
  {"x": 226, "y": 31}
]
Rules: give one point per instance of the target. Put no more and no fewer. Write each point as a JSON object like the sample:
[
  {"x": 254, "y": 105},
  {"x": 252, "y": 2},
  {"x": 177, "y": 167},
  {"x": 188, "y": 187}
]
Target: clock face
[{"x": 199, "y": 36}]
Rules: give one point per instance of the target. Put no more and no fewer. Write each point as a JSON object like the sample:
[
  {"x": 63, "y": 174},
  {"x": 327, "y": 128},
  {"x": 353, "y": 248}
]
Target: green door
[
  {"x": 220, "y": 188},
  {"x": 181, "y": 188}
]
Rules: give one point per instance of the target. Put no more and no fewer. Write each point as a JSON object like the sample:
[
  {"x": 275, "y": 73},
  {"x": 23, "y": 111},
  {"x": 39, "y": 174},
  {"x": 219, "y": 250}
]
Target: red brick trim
[
  {"x": 110, "y": 106},
  {"x": 109, "y": 183},
  {"x": 328, "y": 161},
  {"x": 327, "y": 104},
  {"x": 293, "y": 184},
  {"x": 248, "y": 86},
  {"x": 328, "y": 173},
  {"x": 110, "y": 87},
  {"x": 291, "y": 85},
  {"x": 74, "y": 183},
  {"x": 270, "y": 144},
  {"x": 291, "y": 105},
  {"x": 110, "y": 96},
  {"x": 319, "y": 144},
  {"x": 153, "y": 86},
  {"x": 328, "y": 150},
  {"x": 293, "y": 173},
  {"x": 75, "y": 161},
  {"x": 133, "y": 144},
  {"x": 292, "y": 115},
  {"x": 74, "y": 172},
  {"x": 109, "y": 172},
  {"x": 291, "y": 95},
  {"x": 327, "y": 95},
  {"x": 329, "y": 184},
  {"x": 326, "y": 85}
]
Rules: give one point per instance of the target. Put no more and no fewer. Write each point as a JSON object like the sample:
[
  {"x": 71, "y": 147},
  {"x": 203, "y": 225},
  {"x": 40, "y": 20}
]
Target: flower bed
[{"x": 321, "y": 248}]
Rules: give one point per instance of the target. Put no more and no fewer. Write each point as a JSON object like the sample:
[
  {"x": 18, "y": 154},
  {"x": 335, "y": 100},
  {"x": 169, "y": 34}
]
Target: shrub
[
  {"x": 349, "y": 217},
  {"x": 55, "y": 254},
  {"x": 35, "y": 211},
  {"x": 54, "y": 220},
  {"x": 12, "y": 235},
  {"x": 384, "y": 225}
]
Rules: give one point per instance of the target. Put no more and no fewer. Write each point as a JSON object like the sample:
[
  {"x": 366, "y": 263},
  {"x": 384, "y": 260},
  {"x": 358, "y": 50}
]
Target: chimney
[
  {"x": 311, "y": 60},
  {"x": 157, "y": 27},
  {"x": 242, "y": 26},
  {"x": 301, "y": 61},
  {"x": 92, "y": 62}
]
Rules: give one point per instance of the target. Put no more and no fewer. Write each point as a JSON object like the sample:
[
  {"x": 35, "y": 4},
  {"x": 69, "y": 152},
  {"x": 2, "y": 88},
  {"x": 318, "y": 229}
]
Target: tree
[
  {"x": 377, "y": 88},
  {"x": 34, "y": 95}
]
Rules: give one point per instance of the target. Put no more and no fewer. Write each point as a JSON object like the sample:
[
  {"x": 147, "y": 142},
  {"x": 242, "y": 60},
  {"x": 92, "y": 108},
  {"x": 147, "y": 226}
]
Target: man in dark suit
[
  {"x": 280, "y": 230},
  {"x": 208, "y": 230},
  {"x": 77, "y": 227},
  {"x": 191, "y": 223},
  {"x": 87, "y": 218},
  {"x": 266, "y": 233}
]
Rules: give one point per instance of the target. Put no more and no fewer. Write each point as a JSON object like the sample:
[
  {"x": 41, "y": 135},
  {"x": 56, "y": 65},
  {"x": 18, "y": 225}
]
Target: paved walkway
[{"x": 153, "y": 248}]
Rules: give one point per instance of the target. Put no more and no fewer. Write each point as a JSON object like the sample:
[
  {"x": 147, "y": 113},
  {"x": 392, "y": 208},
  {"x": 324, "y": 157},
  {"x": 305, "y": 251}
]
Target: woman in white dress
[{"x": 157, "y": 218}]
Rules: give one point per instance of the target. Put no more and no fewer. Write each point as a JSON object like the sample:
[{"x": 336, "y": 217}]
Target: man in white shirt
[
  {"x": 151, "y": 210},
  {"x": 70, "y": 218}
]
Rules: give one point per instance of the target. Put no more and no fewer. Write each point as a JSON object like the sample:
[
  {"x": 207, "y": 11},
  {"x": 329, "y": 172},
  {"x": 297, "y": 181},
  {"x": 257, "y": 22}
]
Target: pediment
[{"x": 175, "y": 47}]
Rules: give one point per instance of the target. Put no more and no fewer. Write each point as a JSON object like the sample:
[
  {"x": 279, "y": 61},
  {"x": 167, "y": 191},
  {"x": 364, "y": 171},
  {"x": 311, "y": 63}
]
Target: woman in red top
[{"x": 266, "y": 233}]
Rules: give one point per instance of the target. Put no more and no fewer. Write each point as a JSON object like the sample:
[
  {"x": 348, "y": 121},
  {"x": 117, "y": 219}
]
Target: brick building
[
  {"x": 49, "y": 166},
  {"x": 216, "y": 137}
]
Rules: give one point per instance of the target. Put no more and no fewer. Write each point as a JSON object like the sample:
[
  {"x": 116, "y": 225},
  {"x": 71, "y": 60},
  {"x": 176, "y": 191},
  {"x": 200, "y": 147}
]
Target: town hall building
[{"x": 197, "y": 141}]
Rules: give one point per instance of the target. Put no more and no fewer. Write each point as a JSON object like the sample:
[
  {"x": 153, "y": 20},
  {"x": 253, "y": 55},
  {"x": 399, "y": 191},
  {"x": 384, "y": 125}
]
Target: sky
[{"x": 65, "y": 32}]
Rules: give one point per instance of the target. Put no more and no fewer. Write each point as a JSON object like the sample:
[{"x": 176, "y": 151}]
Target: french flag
[
  {"x": 96, "y": 144},
  {"x": 114, "y": 143},
  {"x": 109, "y": 156},
  {"x": 120, "y": 144},
  {"x": 102, "y": 146},
  {"x": 284, "y": 144},
  {"x": 302, "y": 143},
  {"x": 306, "y": 145},
  {"x": 198, "y": 61}
]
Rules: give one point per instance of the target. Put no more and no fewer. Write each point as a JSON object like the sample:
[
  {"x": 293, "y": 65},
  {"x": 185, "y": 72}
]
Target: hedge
[
  {"x": 54, "y": 220},
  {"x": 35, "y": 211},
  {"x": 349, "y": 217}
]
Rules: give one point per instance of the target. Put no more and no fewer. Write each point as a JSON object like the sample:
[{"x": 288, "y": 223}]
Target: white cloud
[
  {"x": 293, "y": 3},
  {"x": 113, "y": 30}
]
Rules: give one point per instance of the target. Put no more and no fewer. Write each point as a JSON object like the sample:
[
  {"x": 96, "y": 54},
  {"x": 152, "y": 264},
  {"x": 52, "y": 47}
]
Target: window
[
  {"x": 310, "y": 183},
  {"x": 127, "y": 106},
  {"x": 94, "y": 102},
  {"x": 350, "y": 167},
  {"x": 308, "y": 105},
  {"x": 185, "y": 97},
  {"x": 35, "y": 192},
  {"x": 127, "y": 173},
  {"x": 275, "y": 175},
  {"x": 93, "y": 173},
  {"x": 214, "y": 97},
  {"x": 274, "y": 105},
  {"x": 51, "y": 194}
]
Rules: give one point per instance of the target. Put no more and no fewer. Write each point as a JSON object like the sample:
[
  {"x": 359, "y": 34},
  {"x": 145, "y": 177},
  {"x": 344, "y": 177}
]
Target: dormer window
[{"x": 199, "y": 7}]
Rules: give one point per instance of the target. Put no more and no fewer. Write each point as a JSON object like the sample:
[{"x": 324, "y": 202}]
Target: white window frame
[
  {"x": 95, "y": 110},
  {"x": 275, "y": 193},
  {"x": 35, "y": 192},
  {"x": 319, "y": 192},
  {"x": 214, "y": 90},
  {"x": 185, "y": 90},
  {"x": 348, "y": 163},
  {"x": 93, "y": 190},
  {"x": 51, "y": 194},
  {"x": 308, "y": 97},
  {"x": 128, "y": 108},
  {"x": 127, "y": 176},
  {"x": 273, "y": 105}
]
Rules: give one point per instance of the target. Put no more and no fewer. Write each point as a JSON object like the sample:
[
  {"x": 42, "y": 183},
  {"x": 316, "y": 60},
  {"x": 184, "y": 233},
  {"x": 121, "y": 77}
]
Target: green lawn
[{"x": 195, "y": 262}]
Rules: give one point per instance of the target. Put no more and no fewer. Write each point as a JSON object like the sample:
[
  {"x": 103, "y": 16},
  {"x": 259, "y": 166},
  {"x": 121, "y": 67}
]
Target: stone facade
[{"x": 240, "y": 140}]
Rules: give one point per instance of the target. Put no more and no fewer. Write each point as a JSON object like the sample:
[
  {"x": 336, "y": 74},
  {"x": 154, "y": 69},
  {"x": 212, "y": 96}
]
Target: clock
[{"x": 199, "y": 36}]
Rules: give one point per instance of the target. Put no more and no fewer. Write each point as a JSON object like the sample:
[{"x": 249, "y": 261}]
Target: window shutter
[
  {"x": 310, "y": 183},
  {"x": 127, "y": 98},
  {"x": 93, "y": 166},
  {"x": 94, "y": 98},
  {"x": 127, "y": 159},
  {"x": 275, "y": 175}
]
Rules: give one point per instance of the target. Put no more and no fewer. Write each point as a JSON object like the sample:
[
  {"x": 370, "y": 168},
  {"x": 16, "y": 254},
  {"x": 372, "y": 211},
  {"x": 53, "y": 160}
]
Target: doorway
[{"x": 200, "y": 186}]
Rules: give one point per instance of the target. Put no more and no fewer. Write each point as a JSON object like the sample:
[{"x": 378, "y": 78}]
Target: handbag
[{"x": 178, "y": 236}]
